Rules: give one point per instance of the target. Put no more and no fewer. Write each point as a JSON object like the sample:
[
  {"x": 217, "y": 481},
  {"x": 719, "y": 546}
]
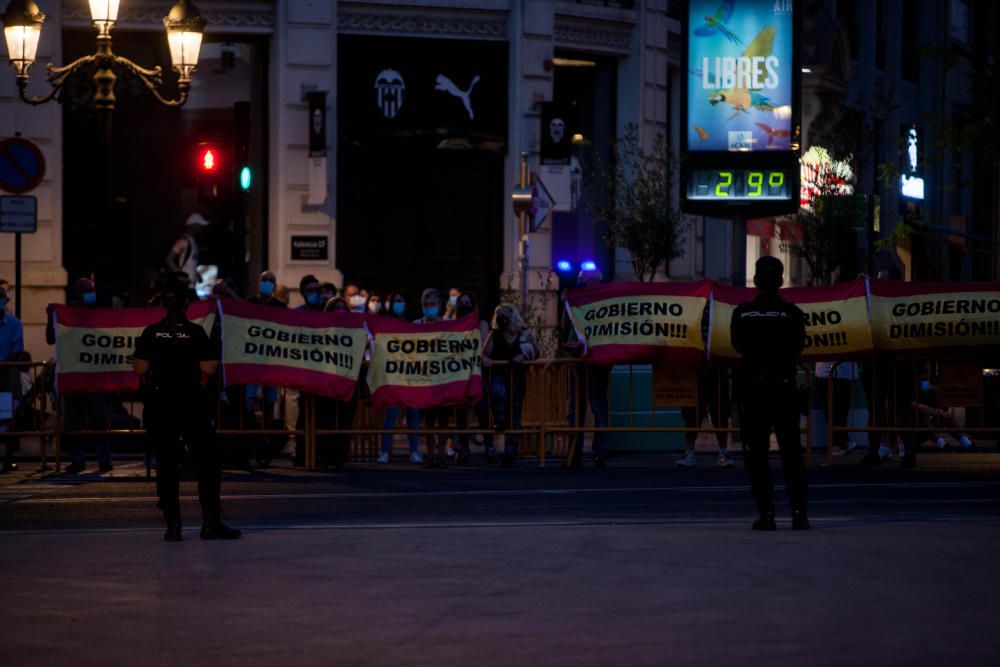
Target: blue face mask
[
  {"x": 398, "y": 308},
  {"x": 90, "y": 298},
  {"x": 431, "y": 311},
  {"x": 312, "y": 298},
  {"x": 266, "y": 288},
  {"x": 925, "y": 385}
]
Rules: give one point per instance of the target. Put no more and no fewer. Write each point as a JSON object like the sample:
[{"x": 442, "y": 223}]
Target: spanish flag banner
[
  {"x": 622, "y": 323},
  {"x": 425, "y": 365},
  {"x": 320, "y": 353},
  {"x": 94, "y": 346},
  {"x": 837, "y": 321},
  {"x": 921, "y": 316}
]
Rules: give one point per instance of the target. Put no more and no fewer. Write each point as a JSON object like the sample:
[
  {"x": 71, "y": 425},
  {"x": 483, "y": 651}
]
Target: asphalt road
[{"x": 639, "y": 564}]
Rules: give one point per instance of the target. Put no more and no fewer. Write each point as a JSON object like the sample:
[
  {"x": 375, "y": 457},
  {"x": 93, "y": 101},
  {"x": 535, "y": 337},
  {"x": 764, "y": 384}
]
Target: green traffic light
[{"x": 245, "y": 178}]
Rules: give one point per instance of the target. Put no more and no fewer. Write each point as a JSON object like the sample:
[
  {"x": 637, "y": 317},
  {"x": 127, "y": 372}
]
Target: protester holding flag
[
  {"x": 436, "y": 417},
  {"x": 511, "y": 343},
  {"x": 588, "y": 385},
  {"x": 11, "y": 345},
  {"x": 467, "y": 304},
  {"x": 334, "y": 414},
  {"x": 83, "y": 411},
  {"x": 265, "y": 399},
  {"x": 396, "y": 307}
]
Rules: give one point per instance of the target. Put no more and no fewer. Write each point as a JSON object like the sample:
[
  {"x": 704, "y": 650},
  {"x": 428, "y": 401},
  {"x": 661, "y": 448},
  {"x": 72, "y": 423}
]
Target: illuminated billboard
[
  {"x": 740, "y": 108},
  {"x": 741, "y": 76}
]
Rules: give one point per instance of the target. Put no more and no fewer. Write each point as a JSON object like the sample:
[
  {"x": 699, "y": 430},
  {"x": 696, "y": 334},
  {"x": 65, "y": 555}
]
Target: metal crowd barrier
[
  {"x": 897, "y": 420},
  {"x": 545, "y": 431}
]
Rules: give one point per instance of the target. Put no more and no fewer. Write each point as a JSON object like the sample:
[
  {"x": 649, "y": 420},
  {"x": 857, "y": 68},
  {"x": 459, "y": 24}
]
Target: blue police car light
[
  {"x": 589, "y": 265},
  {"x": 245, "y": 177},
  {"x": 564, "y": 265}
]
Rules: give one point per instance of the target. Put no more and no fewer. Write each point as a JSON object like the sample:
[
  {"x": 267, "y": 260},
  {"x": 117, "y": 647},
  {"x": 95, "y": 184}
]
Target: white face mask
[
  {"x": 452, "y": 301},
  {"x": 357, "y": 301},
  {"x": 373, "y": 307}
]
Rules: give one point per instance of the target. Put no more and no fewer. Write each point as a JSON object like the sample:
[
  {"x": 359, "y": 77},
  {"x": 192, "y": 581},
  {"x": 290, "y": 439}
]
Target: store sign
[
  {"x": 311, "y": 248},
  {"x": 423, "y": 92},
  {"x": 912, "y": 186}
]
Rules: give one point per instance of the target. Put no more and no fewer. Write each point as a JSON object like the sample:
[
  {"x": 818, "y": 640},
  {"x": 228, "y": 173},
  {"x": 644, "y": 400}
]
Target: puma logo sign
[{"x": 447, "y": 85}]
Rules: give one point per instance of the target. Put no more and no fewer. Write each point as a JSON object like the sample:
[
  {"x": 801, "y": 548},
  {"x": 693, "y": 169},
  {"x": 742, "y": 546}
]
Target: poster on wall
[{"x": 741, "y": 75}]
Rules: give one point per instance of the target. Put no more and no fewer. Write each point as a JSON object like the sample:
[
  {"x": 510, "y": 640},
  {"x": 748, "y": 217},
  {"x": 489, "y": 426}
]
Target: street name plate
[{"x": 306, "y": 248}]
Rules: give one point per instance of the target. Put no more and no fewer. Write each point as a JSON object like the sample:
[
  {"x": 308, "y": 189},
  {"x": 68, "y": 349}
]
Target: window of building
[
  {"x": 880, "y": 34},
  {"x": 847, "y": 15},
  {"x": 909, "y": 42},
  {"x": 960, "y": 20}
]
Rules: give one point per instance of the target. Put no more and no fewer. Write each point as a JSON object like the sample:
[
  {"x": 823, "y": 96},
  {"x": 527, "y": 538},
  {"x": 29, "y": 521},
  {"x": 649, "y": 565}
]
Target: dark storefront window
[
  {"x": 909, "y": 42},
  {"x": 848, "y": 17},
  {"x": 423, "y": 140}
]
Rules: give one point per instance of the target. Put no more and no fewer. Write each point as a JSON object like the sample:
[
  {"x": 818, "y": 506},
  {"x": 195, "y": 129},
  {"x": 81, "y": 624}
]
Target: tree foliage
[
  {"x": 633, "y": 194},
  {"x": 825, "y": 233}
]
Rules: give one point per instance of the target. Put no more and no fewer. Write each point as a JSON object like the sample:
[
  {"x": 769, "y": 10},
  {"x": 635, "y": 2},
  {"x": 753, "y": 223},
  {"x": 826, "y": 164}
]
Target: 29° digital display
[{"x": 738, "y": 185}]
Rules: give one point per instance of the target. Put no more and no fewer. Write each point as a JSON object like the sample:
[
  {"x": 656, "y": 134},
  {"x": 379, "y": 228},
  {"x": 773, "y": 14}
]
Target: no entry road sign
[{"x": 22, "y": 166}]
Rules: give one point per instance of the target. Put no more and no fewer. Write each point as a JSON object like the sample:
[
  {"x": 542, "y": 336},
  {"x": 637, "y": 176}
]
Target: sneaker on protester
[
  {"x": 724, "y": 461},
  {"x": 687, "y": 461},
  {"x": 884, "y": 453},
  {"x": 415, "y": 457},
  {"x": 941, "y": 443},
  {"x": 383, "y": 457},
  {"x": 967, "y": 444}
]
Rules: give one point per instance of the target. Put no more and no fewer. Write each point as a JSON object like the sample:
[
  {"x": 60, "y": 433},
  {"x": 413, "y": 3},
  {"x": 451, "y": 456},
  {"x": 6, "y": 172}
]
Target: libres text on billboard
[{"x": 741, "y": 69}]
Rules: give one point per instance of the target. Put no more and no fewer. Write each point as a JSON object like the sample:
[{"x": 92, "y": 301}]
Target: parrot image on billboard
[{"x": 741, "y": 74}]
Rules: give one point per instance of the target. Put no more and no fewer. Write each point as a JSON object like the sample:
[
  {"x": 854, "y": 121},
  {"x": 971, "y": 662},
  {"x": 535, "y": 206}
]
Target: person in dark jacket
[
  {"x": 172, "y": 357},
  {"x": 769, "y": 333}
]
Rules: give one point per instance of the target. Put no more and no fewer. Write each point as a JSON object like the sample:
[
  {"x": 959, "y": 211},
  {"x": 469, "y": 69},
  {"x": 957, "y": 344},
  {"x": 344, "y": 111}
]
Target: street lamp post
[{"x": 184, "y": 26}]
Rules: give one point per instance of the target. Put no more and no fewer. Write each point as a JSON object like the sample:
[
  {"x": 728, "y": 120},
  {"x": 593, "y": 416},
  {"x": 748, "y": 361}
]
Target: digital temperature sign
[
  {"x": 749, "y": 185},
  {"x": 740, "y": 126}
]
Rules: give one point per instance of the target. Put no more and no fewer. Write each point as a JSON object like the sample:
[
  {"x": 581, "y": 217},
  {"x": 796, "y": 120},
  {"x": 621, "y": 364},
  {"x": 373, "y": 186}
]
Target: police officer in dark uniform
[
  {"x": 172, "y": 356},
  {"x": 769, "y": 333}
]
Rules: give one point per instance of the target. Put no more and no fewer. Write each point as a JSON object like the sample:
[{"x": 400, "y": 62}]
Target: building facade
[{"x": 382, "y": 140}]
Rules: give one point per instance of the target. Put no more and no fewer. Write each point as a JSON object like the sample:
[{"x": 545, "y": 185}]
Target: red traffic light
[{"x": 208, "y": 159}]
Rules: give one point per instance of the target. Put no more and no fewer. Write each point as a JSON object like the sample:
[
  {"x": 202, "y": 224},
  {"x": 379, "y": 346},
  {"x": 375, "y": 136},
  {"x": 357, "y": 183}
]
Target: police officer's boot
[
  {"x": 173, "y": 520},
  {"x": 212, "y": 528},
  {"x": 765, "y": 522}
]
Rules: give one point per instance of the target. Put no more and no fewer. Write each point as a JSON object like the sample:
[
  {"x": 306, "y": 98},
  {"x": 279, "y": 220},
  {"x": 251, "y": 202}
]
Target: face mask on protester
[
  {"x": 925, "y": 385},
  {"x": 312, "y": 298},
  {"x": 398, "y": 308},
  {"x": 325, "y": 296},
  {"x": 266, "y": 288},
  {"x": 89, "y": 298},
  {"x": 373, "y": 307},
  {"x": 452, "y": 301},
  {"x": 431, "y": 311},
  {"x": 357, "y": 302}
]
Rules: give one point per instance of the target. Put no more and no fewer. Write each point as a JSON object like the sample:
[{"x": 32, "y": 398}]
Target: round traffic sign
[{"x": 22, "y": 166}]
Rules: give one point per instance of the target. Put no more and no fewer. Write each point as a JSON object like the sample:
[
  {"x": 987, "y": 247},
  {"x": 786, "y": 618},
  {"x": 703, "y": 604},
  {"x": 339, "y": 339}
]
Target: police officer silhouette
[
  {"x": 769, "y": 333},
  {"x": 172, "y": 357}
]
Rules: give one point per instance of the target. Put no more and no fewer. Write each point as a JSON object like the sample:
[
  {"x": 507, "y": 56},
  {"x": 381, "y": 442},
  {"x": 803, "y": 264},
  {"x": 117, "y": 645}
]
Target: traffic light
[{"x": 208, "y": 159}]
